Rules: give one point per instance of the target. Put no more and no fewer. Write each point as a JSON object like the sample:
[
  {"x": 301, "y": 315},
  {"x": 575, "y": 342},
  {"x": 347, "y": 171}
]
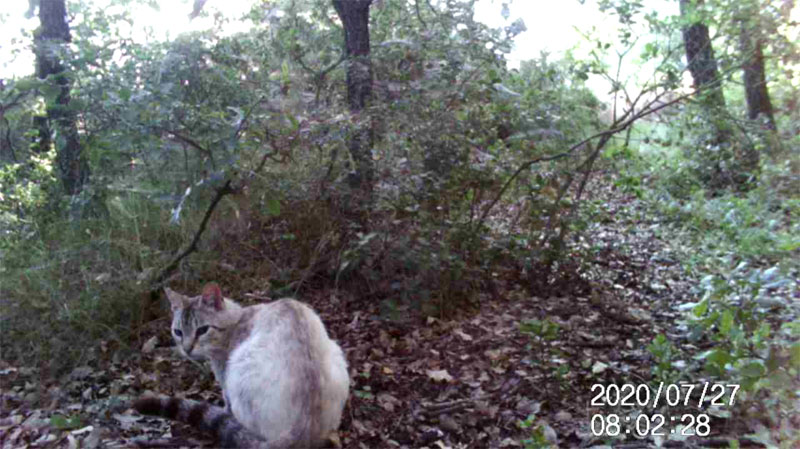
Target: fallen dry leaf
[
  {"x": 463, "y": 335},
  {"x": 439, "y": 375},
  {"x": 150, "y": 344}
]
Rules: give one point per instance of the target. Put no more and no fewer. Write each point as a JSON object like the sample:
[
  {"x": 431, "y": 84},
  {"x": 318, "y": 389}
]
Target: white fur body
[
  {"x": 259, "y": 375},
  {"x": 282, "y": 377}
]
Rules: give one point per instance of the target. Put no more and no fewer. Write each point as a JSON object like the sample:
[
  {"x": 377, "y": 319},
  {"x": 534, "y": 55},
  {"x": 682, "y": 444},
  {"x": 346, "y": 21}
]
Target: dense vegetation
[{"x": 128, "y": 165}]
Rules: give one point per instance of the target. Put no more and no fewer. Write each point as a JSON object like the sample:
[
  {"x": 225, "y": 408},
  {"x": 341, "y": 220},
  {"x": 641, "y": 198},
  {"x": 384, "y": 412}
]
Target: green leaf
[
  {"x": 273, "y": 207},
  {"x": 753, "y": 369},
  {"x": 285, "y": 72},
  {"x": 794, "y": 350},
  {"x": 726, "y": 323},
  {"x": 295, "y": 123},
  {"x": 763, "y": 331},
  {"x": 532, "y": 327},
  {"x": 701, "y": 308},
  {"x": 780, "y": 380},
  {"x": 363, "y": 394},
  {"x": 687, "y": 306},
  {"x": 550, "y": 330},
  {"x": 716, "y": 359},
  {"x": 64, "y": 423},
  {"x": 50, "y": 92},
  {"x": 27, "y": 84},
  {"x": 58, "y": 421}
]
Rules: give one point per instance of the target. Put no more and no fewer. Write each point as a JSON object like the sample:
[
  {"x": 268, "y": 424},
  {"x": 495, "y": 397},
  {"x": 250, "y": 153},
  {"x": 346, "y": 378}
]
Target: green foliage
[
  {"x": 664, "y": 352},
  {"x": 759, "y": 224},
  {"x": 164, "y": 124},
  {"x": 755, "y": 337},
  {"x": 543, "y": 334},
  {"x": 64, "y": 423},
  {"x": 23, "y": 191},
  {"x": 756, "y": 226},
  {"x": 541, "y": 331},
  {"x": 538, "y": 434},
  {"x": 726, "y": 189},
  {"x": 77, "y": 281}
]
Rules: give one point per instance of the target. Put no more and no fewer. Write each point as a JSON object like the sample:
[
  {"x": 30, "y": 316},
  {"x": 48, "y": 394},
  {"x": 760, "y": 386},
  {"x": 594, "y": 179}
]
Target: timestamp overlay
[{"x": 685, "y": 405}]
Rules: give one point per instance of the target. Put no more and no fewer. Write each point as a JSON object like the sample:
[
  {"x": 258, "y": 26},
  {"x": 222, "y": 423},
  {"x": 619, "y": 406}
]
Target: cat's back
[
  {"x": 281, "y": 354},
  {"x": 281, "y": 328},
  {"x": 283, "y": 318}
]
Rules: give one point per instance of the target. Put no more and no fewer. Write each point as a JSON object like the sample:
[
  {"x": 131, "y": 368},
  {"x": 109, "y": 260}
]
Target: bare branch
[
  {"x": 619, "y": 125},
  {"x": 165, "y": 272},
  {"x": 191, "y": 142}
]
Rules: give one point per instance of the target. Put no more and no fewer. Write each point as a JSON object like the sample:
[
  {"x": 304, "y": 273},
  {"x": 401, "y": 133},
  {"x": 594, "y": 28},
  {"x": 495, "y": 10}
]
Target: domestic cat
[{"x": 284, "y": 381}]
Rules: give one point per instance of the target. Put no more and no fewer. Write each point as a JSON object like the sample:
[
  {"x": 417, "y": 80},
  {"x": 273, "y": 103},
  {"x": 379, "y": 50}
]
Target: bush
[{"x": 78, "y": 280}]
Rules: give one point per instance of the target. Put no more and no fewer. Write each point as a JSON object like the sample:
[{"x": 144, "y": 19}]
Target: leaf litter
[{"x": 465, "y": 382}]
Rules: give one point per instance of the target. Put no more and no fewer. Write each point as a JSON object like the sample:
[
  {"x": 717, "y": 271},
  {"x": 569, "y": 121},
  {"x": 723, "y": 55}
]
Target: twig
[
  {"x": 322, "y": 73},
  {"x": 166, "y": 442},
  {"x": 246, "y": 116},
  {"x": 263, "y": 162},
  {"x": 419, "y": 16},
  {"x": 191, "y": 142},
  {"x": 313, "y": 262},
  {"x": 451, "y": 406},
  {"x": 617, "y": 127},
  {"x": 226, "y": 189},
  {"x": 446, "y": 410}
]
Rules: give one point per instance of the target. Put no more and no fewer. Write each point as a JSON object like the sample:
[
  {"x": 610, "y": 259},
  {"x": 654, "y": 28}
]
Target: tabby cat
[{"x": 284, "y": 381}]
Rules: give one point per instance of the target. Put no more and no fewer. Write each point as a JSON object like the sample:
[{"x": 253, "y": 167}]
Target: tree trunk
[
  {"x": 755, "y": 82},
  {"x": 49, "y": 43},
  {"x": 354, "y": 15},
  {"x": 759, "y": 106},
  {"x": 703, "y": 66},
  {"x": 700, "y": 57}
]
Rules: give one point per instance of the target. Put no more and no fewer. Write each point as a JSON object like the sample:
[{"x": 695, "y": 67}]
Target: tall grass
[{"x": 69, "y": 283}]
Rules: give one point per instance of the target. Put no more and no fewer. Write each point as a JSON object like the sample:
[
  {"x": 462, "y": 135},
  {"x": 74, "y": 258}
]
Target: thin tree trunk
[
  {"x": 755, "y": 81},
  {"x": 700, "y": 57},
  {"x": 759, "y": 106},
  {"x": 354, "y": 15},
  {"x": 703, "y": 66},
  {"x": 49, "y": 42}
]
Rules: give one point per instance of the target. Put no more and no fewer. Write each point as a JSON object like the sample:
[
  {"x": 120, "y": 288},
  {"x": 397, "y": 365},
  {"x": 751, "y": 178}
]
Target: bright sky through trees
[{"x": 551, "y": 26}]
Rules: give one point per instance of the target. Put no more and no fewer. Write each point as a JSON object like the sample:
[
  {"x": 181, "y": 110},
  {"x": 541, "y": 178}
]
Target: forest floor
[{"x": 465, "y": 381}]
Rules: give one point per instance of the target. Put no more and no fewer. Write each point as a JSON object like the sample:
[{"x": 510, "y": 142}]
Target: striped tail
[{"x": 212, "y": 419}]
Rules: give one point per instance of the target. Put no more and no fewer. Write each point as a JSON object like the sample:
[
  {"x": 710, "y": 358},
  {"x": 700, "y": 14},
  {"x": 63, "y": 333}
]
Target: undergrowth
[
  {"x": 71, "y": 281},
  {"x": 742, "y": 246}
]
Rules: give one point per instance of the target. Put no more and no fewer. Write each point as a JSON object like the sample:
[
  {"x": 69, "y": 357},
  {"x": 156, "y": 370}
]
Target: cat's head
[{"x": 199, "y": 323}]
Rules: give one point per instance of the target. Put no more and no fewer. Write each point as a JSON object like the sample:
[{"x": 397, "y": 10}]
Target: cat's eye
[
  {"x": 202, "y": 330},
  {"x": 178, "y": 332}
]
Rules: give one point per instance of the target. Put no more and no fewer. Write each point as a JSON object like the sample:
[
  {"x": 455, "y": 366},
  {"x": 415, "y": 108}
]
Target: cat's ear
[
  {"x": 212, "y": 296},
  {"x": 176, "y": 300}
]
